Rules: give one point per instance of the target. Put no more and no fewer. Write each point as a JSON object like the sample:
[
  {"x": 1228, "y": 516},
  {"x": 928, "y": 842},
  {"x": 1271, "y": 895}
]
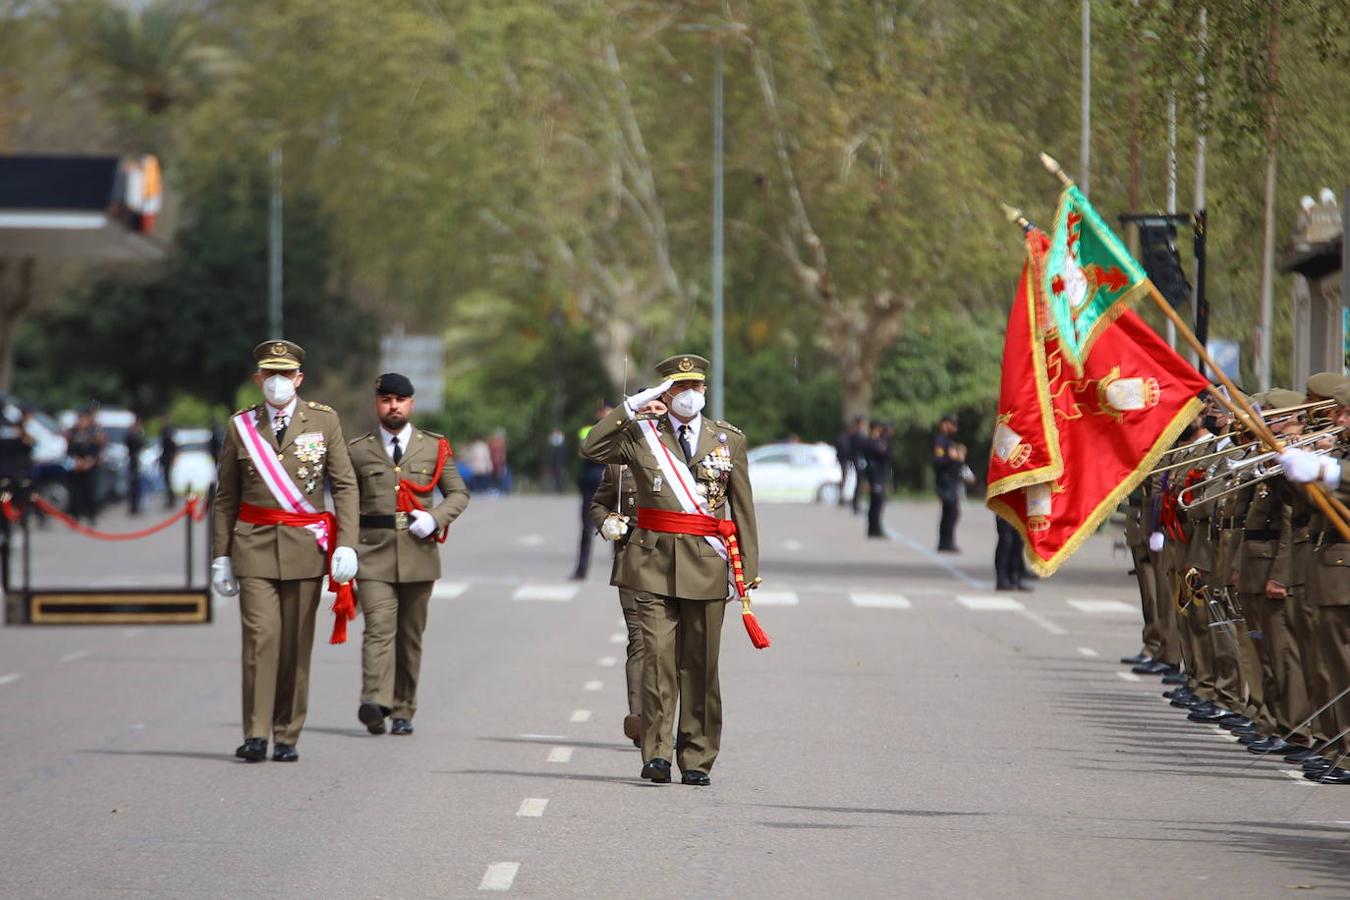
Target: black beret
[{"x": 394, "y": 383}]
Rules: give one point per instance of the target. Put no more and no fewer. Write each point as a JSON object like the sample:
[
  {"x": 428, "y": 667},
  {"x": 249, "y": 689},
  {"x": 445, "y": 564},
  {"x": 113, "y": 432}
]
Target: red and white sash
[
  {"x": 279, "y": 482},
  {"x": 676, "y": 473}
]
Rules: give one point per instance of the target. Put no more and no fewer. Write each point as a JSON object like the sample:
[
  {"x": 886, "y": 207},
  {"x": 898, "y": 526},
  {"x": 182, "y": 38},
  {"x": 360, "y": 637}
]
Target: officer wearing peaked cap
[
  {"x": 276, "y": 541},
  {"x": 686, "y": 470},
  {"x": 399, "y": 467}
]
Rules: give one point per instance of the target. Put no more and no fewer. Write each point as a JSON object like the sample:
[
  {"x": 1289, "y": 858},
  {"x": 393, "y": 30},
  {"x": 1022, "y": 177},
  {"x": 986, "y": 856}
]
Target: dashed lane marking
[
  {"x": 1042, "y": 621},
  {"x": 552, "y": 593},
  {"x": 580, "y": 715},
  {"x": 792, "y": 546},
  {"x": 499, "y": 876},
  {"x": 1129, "y": 676},
  {"x": 1298, "y": 776},
  {"x": 607, "y": 662},
  {"x": 10, "y": 678},
  {"x": 593, "y": 685},
  {"x": 990, "y": 604},
  {"x": 880, "y": 601},
  {"x": 774, "y": 598},
  {"x": 618, "y": 638},
  {"x": 74, "y": 655},
  {"x": 530, "y": 540},
  {"x": 1088, "y": 651},
  {"x": 560, "y": 755},
  {"x": 937, "y": 560},
  {"x": 532, "y": 807},
  {"x": 1103, "y": 607},
  {"x": 448, "y": 590}
]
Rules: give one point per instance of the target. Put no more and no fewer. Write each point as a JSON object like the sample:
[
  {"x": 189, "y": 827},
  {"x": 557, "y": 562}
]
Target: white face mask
[
  {"x": 688, "y": 403},
  {"x": 279, "y": 390}
]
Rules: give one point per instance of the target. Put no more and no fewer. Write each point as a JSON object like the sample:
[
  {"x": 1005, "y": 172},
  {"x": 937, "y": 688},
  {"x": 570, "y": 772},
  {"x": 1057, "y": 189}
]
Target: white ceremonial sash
[
  {"x": 279, "y": 483},
  {"x": 676, "y": 473}
]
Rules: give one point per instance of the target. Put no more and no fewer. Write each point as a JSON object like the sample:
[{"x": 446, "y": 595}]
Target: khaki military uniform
[
  {"x": 1256, "y": 559},
  {"x": 397, "y": 569},
  {"x": 1230, "y": 516},
  {"x": 680, "y": 581},
  {"x": 1329, "y": 584},
  {"x": 610, "y": 498},
  {"x": 1136, "y": 539},
  {"x": 280, "y": 567}
]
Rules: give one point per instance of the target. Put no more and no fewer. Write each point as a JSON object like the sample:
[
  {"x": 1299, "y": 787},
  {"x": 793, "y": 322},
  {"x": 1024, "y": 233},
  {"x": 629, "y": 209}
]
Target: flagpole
[{"x": 1234, "y": 400}]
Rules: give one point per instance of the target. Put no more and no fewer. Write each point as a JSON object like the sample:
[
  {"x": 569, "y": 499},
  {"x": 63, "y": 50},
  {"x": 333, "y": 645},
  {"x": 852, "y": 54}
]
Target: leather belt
[
  {"x": 397, "y": 521},
  {"x": 1261, "y": 534}
]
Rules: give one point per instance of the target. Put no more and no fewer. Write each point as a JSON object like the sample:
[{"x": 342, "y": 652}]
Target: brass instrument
[{"x": 1256, "y": 468}]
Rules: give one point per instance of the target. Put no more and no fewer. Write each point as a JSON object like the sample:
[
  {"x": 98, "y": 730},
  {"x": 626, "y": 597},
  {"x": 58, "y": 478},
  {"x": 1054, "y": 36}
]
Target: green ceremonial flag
[{"x": 1089, "y": 279}]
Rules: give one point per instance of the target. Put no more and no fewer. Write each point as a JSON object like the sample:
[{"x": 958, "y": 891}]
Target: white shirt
[
  {"x": 694, "y": 425},
  {"x": 387, "y": 438},
  {"x": 288, "y": 411}
]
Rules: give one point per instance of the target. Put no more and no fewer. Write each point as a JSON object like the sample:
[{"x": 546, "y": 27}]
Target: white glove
[
  {"x": 642, "y": 398},
  {"x": 343, "y": 569},
  {"x": 423, "y": 524},
  {"x": 614, "y": 527},
  {"x": 1156, "y": 541},
  {"x": 222, "y": 577},
  {"x": 1303, "y": 466}
]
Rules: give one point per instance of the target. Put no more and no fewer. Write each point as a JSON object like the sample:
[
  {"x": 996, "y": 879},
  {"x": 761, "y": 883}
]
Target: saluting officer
[
  {"x": 399, "y": 549},
  {"x": 272, "y": 535},
  {"x": 689, "y": 474}
]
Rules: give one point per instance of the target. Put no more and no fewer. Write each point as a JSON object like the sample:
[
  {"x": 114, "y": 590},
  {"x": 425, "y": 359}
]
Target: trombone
[
  {"x": 1266, "y": 414},
  {"x": 1254, "y": 468}
]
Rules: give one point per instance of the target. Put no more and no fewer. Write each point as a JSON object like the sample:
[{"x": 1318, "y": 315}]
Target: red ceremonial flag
[{"x": 1078, "y": 430}]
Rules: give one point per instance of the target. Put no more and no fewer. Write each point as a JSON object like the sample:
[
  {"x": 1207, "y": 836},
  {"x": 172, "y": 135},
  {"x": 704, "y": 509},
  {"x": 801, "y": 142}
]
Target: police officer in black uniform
[{"x": 949, "y": 459}]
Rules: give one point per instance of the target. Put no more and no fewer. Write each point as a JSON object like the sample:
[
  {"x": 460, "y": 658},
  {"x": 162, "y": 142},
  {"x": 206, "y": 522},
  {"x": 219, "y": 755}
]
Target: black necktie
[
  {"x": 684, "y": 442},
  {"x": 279, "y": 427},
  {"x": 398, "y": 451}
]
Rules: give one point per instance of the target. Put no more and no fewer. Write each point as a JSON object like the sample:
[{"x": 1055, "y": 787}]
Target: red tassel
[
  {"x": 344, "y": 610},
  {"x": 758, "y": 638}
]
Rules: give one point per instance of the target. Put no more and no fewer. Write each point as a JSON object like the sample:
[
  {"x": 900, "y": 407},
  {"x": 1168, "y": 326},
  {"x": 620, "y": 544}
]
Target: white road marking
[
  {"x": 792, "y": 546},
  {"x": 593, "y": 685},
  {"x": 1042, "y": 621},
  {"x": 532, "y": 807},
  {"x": 580, "y": 715},
  {"x": 933, "y": 557},
  {"x": 880, "y": 601},
  {"x": 543, "y": 737},
  {"x": 607, "y": 662},
  {"x": 448, "y": 590},
  {"x": 1298, "y": 776},
  {"x": 74, "y": 655},
  {"x": 1088, "y": 651},
  {"x": 1129, "y": 676},
  {"x": 990, "y": 604},
  {"x": 618, "y": 638},
  {"x": 1103, "y": 606},
  {"x": 773, "y": 598},
  {"x": 560, "y": 755},
  {"x": 530, "y": 540},
  {"x": 553, "y": 593},
  {"x": 10, "y": 678},
  {"x": 499, "y": 876}
]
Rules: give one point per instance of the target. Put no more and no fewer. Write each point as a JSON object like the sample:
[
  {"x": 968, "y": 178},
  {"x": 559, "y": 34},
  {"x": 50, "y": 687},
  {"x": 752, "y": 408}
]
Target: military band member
[
  {"x": 398, "y": 466},
  {"x": 613, "y": 512},
  {"x": 690, "y": 474},
  {"x": 273, "y": 535}
]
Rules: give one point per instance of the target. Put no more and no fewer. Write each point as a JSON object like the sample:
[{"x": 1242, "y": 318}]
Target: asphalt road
[{"x": 911, "y": 733}]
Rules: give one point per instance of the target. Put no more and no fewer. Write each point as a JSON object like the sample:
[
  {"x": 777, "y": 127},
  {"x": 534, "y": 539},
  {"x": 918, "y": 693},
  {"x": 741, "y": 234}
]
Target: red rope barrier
[{"x": 192, "y": 507}]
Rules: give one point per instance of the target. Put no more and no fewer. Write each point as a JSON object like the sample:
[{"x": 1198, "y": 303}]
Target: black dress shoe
[
  {"x": 285, "y": 753},
  {"x": 1175, "y": 678},
  {"x": 1248, "y": 739},
  {"x": 1303, "y": 756},
  {"x": 695, "y": 777},
  {"x": 1316, "y": 764},
  {"x": 1152, "y": 667},
  {"x": 657, "y": 771},
  {"x": 252, "y": 750},
  {"x": 372, "y": 716},
  {"x": 1236, "y": 722},
  {"x": 1333, "y": 775},
  {"x": 401, "y": 726},
  {"x": 1274, "y": 745},
  {"x": 1003, "y": 587},
  {"x": 1138, "y": 659},
  {"x": 1025, "y": 588}
]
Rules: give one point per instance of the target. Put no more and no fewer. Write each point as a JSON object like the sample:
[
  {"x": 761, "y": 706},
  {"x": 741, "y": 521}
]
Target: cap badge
[
  {"x": 279, "y": 348},
  {"x": 686, "y": 364}
]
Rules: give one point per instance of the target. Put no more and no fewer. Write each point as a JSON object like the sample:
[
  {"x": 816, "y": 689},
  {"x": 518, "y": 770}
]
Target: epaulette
[
  {"x": 314, "y": 404},
  {"x": 240, "y": 412},
  {"x": 728, "y": 426},
  {"x": 433, "y": 435},
  {"x": 368, "y": 436}
]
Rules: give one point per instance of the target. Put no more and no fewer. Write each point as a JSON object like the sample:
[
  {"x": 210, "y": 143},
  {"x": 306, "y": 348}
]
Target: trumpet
[
  {"x": 1268, "y": 415},
  {"x": 1311, "y": 437},
  {"x": 1253, "y": 469}
]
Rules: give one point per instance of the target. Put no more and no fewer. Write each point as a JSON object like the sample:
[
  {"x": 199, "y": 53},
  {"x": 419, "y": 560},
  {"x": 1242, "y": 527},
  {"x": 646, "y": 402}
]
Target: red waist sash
[{"x": 670, "y": 522}]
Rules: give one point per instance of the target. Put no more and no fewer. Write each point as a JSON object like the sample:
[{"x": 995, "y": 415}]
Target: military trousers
[
  {"x": 1148, "y": 599},
  {"x": 1334, "y": 624},
  {"x": 637, "y": 655},
  {"x": 277, "y": 620},
  {"x": 1249, "y": 658},
  {"x": 681, "y": 640},
  {"x": 1285, "y": 687},
  {"x": 1169, "y": 624},
  {"x": 391, "y": 647}
]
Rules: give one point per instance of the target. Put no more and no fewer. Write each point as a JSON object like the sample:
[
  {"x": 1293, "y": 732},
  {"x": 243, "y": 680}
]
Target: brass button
[
  {"x": 281, "y": 456},
  {"x": 398, "y": 468}
]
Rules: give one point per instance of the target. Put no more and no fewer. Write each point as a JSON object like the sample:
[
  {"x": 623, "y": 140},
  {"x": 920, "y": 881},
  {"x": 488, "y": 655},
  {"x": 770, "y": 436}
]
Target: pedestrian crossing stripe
[
  {"x": 880, "y": 601},
  {"x": 990, "y": 604},
  {"x": 551, "y": 593},
  {"x": 773, "y": 598},
  {"x": 1103, "y": 606},
  {"x": 448, "y": 590}
]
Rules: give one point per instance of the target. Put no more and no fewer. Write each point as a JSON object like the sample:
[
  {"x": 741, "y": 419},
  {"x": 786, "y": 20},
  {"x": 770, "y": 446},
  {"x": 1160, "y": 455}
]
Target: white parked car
[
  {"x": 795, "y": 473},
  {"x": 193, "y": 468}
]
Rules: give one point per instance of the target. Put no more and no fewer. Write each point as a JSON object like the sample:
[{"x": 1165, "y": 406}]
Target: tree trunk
[{"x": 16, "y": 298}]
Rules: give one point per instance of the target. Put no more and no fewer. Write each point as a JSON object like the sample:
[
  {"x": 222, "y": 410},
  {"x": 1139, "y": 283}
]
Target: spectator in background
[
  {"x": 949, "y": 465},
  {"x": 557, "y": 460},
  {"x": 859, "y": 464},
  {"x": 501, "y": 473},
  {"x": 84, "y": 443},
  {"x": 843, "y": 451},
  {"x": 876, "y": 452},
  {"x": 168, "y": 452},
  {"x": 588, "y": 480},
  {"x": 479, "y": 460},
  {"x": 135, "y": 442}
]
